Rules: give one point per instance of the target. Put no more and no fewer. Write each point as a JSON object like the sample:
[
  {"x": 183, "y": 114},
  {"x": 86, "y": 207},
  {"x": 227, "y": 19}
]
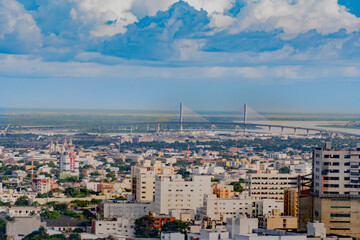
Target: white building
[
  {"x": 122, "y": 227},
  {"x": 208, "y": 234},
  {"x": 241, "y": 225},
  {"x": 173, "y": 192},
  {"x": 336, "y": 171},
  {"x": 123, "y": 209},
  {"x": 68, "y": 161},
  {"x": 24, "y": 211},
  {"x": 143, "y": 179},
  {"x": 264, "y": 207},
  {"x": 302, "y": 169},
  {"x": 277, "y": 155},
  {"x": 223, "y": 208},
  {"x": 270, "y": 186},
  {"x": 208, "y": 168},
  {"x": 316, "y": 229},
  {"x": 41, "y": 184},
  {"x": 172, "y": 236}
]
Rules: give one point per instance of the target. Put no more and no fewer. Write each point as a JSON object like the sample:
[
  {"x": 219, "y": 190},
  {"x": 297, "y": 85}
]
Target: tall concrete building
[
  {"x": 143, "y": 179},
  {"x": 336, "y": 202},
  {"x": 67, "y": 159},
  {"x": 174, "y": 192},
  {"x": 68, "y": 162},
  {"x": 270, "y": 186}
]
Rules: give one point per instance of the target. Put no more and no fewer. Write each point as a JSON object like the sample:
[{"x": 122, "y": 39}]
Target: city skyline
[{"x": 277, "y": 56}]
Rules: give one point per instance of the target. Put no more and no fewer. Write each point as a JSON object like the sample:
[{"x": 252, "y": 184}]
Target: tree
[
  {"x": 46, "y": 214},
  {"x": 284, "y": 170},
  {"x": 3, "y": 229},
  {"x": 175, "y": 226},
  {"x": 184, "y": 173},
  {"x": 237, "y": 186},
  {"x": 22, "y": 201},
  {"x": 74, "y": 236},
  {"x": 144, "y": 227}
]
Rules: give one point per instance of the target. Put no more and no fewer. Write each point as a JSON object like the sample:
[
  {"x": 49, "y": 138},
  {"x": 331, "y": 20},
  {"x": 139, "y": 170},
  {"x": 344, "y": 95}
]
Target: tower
[
  {"x": 245, "y": 116},
  {"x": 181, "y": 116}
]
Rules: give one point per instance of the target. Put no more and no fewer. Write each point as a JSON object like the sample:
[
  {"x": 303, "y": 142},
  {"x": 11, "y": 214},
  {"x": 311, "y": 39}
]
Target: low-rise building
[
  {"x": 276, "y": 221},
  {"x": 120, "y": 226},
  {"x": 223, "y": 208},
  {"x": 124, "y": 209}
]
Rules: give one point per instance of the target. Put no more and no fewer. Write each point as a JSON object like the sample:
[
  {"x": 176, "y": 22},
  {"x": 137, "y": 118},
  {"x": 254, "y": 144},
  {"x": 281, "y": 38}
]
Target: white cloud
[
  {"x": 326, "y": 16},
  {"x": 108, "y": 17},
  {"x": 18, "y": 30}
]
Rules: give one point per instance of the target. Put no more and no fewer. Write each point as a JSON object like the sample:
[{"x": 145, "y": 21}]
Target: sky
[{"x": 275, "y": 55}]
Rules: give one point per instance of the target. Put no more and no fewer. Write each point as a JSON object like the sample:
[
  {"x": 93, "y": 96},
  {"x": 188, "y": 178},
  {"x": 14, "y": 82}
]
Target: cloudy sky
[{"x": 276, "y": 55}]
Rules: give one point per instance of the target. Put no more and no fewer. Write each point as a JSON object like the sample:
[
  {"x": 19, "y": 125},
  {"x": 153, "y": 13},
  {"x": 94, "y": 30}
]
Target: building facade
[
  {"x": 174, "y": 192},
  {"x": 336, "y": 202},
  {"x": 270, "y": 186},
  {"x": 223, "y": 208}
]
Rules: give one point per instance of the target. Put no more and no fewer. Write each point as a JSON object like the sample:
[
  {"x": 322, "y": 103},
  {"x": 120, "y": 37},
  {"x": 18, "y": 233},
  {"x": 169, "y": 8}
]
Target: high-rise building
[
  {"x": 270, "y": 186},
  {"x": 68, "y": 161},
  {"x": 336, "y": 202},
  {"x": 174, "y": 192},
  {"x": 41, "y": 184},
  {"x": 291, "y": 202},
  {"x": 143, "y": 179}
]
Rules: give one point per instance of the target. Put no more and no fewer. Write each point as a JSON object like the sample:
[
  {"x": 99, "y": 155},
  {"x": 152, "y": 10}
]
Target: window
[
  {"x": 340, "y": 206},
  {"x": 344, "y": 229},
  {"x": 340, "y": 221},
  {"x": 339, "y": 214}
]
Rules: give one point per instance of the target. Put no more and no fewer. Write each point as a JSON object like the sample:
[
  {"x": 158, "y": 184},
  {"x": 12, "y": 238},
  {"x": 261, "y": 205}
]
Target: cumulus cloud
[
  {"x": 156, "y": 38},
  {"x": 294, "y": 17},
  {"x": 18, "y": 30}
]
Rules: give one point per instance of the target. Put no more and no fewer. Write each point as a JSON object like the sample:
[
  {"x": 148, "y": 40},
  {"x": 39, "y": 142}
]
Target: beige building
[
  {"x": 276, "y": 221},
  {"x": 223, "y": 208},
  {"x": 291, "y": 202},
  {"x": 336, "y": 200},
  {"x": 270, "y": 185}
]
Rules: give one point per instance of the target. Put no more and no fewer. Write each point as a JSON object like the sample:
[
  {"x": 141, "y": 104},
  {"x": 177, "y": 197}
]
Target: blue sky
[{"x": 276, "y": 55}]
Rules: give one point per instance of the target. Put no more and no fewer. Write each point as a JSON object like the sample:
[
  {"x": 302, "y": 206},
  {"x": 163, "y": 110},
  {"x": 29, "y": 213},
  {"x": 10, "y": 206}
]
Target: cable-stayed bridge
[{"x": 189, "y": 120}]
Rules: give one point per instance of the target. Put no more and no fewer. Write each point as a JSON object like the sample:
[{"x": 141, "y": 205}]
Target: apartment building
[
  {"x": 265, "y": 207},
  {"x": 291, "y": 202},
  {"x": 276, "y": 221},
  {"x": 143, "y": 179},
  {"x": 120, "y": 226},
  {"x": 124, "y": 209},
  {"x": 174, "y": 192},
  {"x": 270, "y": 185},
  {"x": 223, "y": 208},
  {"x": 68, "y": 162},
  {"x": 336, "y": 203},
  {"x": 41, "y": 184}
]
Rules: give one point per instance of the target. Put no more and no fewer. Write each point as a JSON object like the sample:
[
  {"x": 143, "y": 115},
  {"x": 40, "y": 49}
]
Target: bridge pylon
[{"x": 181, "y": 116}]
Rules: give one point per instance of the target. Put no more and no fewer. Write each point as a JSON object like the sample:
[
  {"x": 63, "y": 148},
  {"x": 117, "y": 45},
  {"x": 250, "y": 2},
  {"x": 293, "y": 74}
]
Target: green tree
[
  {"x": 46, "y": 214},
  {"x": 22, "y": 201},
  {"x": 74, "y": 236},
  {"x": 237, "y": 186},
  {"x": 2, "y": 229},
  {"x": 183, "y": 173},
  {"x": 175, "y": 226},
  {"x": 284, "y": 170},
  {"x": 144, "y": 227}
]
